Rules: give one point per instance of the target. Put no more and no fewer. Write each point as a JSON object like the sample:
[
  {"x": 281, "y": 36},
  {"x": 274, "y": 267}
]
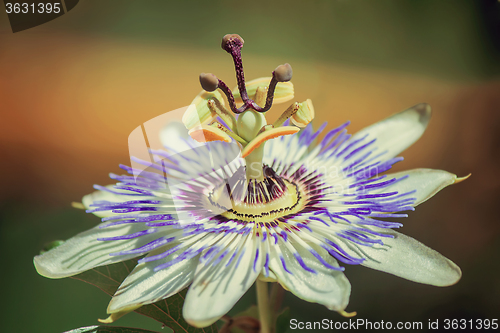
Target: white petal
[
  {"x": 216, "y": 288},
  {"x": 145, "y": 286},
  {"x": 405, "y": 257},
  {"x": 83, "y": 251},
  {"x": 398, "y": 132},
  {"x": 328, "y": 287},
  {"x": 427, "y": 182}
]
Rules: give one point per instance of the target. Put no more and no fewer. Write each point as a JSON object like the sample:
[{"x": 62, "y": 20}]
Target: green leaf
[
  {"x": 108, "y": 329},
  {"x": 167, "y": 311},
  {"x": 283, "y": 321}
]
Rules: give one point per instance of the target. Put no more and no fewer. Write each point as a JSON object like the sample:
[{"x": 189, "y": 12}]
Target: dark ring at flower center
[{"x": 265, "y": 201}]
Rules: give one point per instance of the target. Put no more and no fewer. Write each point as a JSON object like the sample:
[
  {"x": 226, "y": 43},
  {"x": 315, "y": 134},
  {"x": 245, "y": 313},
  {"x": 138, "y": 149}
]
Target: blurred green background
[{"x": 73, "y": 89}]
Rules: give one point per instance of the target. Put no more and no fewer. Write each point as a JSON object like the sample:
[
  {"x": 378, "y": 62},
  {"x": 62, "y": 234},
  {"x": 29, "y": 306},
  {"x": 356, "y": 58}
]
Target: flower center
[{"x": 264, "y": 201}]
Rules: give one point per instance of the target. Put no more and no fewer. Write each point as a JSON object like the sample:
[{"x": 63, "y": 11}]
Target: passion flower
[{"x": 258, "y": 202}]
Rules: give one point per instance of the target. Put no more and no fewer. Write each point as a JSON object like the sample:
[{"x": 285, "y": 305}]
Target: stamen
[
  {"x": 260, "y": 95},
  {"x": 265, "y": 128},
  {"x": 215, "y": 106},
  {"x": 268, "y": 135},
  {"x": 304, "y": 115},
  {"x": 228, "y": 132},
  {"x": 292, "y": 109},
  {"x": 206, "y": 133}
]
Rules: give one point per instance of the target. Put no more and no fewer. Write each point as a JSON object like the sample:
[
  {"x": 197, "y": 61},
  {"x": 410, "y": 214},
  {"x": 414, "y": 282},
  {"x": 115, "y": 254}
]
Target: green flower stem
[
  {"x": 276, "y": 298},
  {"x": 277, "y": 294},
  {"x": 263, "y": 304}
]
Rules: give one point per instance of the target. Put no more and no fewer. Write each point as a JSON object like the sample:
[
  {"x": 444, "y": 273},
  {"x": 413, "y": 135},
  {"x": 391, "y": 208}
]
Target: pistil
[
  {"x": 248, "y": 125},
  {"x": 250, "y": 129}
]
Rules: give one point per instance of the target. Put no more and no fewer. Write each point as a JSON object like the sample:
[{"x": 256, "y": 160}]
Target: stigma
[{"x": 244, "y": 120}]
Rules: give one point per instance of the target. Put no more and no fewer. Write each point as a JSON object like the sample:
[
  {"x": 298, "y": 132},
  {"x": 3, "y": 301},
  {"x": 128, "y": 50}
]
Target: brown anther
[
  {"x": 218, "y": 125},
  {"x": 283, "y": 73},
  {"x": 231, "y": 39},
  {"x": 216, "y": 106},
  {"x": 209, "y": 82},
  {"x": 292, "y": 109}
]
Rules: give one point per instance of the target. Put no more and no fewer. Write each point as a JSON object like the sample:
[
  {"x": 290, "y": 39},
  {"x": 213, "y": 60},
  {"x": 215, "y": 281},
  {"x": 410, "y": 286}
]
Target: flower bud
[
  {"x": 198, "y": 112},
  {"x": 282, "y": 93},
  {"x": 304, "y": 115}
]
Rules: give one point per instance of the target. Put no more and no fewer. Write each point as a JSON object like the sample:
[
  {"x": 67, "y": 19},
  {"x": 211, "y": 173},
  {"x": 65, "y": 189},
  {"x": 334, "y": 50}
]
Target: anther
[
  {"x": 292, "y": 109},
  {"x": 208, "y": 81},
  {"x": 260, "y": 96},
  {"x": 304, "y": 114}
]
